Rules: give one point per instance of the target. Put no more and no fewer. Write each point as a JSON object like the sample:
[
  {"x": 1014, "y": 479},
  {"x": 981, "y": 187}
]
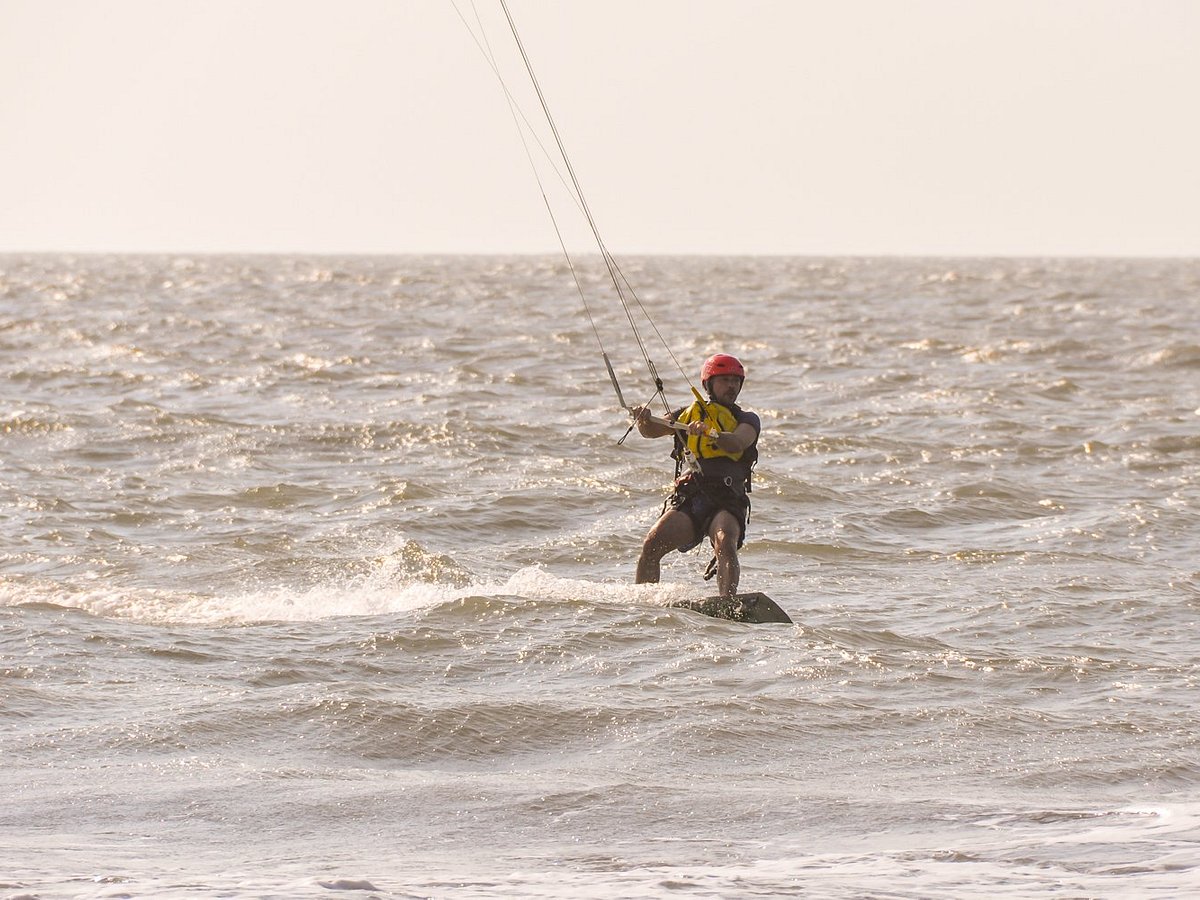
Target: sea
[{"x": 316, "y": 580}]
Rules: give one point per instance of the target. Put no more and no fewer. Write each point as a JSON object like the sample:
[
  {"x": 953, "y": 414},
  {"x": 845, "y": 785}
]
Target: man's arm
[{"x": 737, "y": 440}]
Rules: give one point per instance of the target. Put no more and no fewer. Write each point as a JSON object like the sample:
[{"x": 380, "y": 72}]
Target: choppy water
[{"x": 316, "y": 582}]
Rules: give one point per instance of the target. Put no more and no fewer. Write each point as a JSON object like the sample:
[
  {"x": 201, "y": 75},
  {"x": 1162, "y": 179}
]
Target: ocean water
[{"x": 316, "y": 582}]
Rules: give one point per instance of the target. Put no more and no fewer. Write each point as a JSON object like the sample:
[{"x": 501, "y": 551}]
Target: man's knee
[
  {"x": 670, "y": 532},
  {"x": 652, "y": 546}
]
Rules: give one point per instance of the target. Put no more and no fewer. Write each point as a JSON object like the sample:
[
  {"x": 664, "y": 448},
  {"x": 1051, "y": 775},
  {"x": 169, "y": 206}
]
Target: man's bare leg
[
  {"x": 672, "y": 531},
  {"x": 724, "y": 533}
]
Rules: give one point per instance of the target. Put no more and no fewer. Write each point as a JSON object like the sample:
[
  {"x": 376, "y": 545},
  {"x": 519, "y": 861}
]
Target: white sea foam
[{"x": 366, "y": 597}]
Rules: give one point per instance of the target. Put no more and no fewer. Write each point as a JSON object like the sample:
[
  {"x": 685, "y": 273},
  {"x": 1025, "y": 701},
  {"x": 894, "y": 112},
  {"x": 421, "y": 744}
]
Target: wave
[
  {"x": 390, "y": 589},
  {"x": 1185, "y": 356}
]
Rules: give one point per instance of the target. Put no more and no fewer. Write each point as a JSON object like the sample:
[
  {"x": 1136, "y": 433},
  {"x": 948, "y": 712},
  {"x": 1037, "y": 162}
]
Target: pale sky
[{"x": 983, "y": 127}]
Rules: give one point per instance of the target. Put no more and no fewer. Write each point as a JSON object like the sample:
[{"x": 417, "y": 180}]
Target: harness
[{"x": 691, "y": 450}]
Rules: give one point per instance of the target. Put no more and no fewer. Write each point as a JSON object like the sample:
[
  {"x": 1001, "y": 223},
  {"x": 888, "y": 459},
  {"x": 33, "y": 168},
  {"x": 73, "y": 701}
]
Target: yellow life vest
[{"x": 716, "y": 416}]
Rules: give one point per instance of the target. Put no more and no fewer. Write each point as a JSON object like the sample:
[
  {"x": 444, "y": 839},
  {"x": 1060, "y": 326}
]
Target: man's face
[{"x": 724, "y": 388}]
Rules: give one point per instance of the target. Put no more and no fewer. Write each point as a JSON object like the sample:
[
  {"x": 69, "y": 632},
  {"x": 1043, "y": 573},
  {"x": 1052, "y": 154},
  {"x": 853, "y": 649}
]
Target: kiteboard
[{"x": 755, "y": 608}]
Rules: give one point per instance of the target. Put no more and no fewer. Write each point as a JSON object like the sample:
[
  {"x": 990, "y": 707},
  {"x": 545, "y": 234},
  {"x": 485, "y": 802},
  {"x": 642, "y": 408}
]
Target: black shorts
[{"x": 701, "y": 501}]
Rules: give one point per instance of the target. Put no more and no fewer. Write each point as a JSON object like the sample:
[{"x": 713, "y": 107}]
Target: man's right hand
[{"x": 647, "y": 424}]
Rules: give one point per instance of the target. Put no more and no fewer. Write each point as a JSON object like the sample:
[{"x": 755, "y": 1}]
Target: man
[{"x": 714, "y": 457}]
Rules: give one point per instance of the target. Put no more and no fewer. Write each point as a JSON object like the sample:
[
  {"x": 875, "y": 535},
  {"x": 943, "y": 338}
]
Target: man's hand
[{"x": 648, "y": 425}]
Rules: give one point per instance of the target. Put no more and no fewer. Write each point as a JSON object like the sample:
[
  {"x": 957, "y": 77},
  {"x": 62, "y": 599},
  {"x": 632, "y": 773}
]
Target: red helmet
[{"x": 721, "y": 364}]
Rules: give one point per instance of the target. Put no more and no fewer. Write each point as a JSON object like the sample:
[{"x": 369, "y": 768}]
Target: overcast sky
[{"x": 1030, "y": 127}]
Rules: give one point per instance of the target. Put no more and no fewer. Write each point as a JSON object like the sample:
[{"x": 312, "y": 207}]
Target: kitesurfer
[{"x": 714, "y": 458}]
